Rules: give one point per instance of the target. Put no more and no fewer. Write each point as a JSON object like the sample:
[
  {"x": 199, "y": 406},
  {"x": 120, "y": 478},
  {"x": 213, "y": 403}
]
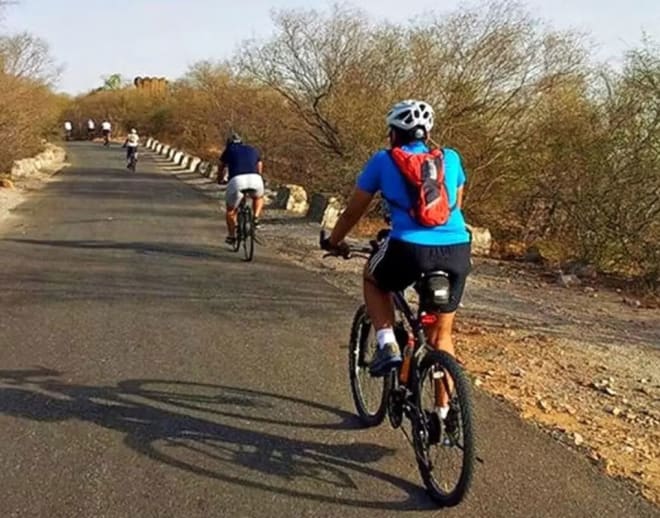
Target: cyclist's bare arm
[
  {"x": 221, "y": 170},
  {"x": 357, "y": 206},
  {"x": 459, "y": 198},
  {"x": 260, "y": 167}
]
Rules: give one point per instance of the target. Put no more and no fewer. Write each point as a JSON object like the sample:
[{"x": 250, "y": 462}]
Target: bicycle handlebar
[{"x": 346, "y": 252}]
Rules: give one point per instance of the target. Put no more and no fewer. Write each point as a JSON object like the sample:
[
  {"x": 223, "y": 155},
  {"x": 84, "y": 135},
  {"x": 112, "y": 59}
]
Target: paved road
[{"x": 147, "y": 371}]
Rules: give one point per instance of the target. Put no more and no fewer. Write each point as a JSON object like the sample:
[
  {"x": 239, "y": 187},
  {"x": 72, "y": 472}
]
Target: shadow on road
[
  {"x": 158, "y": 276},
  {"x": 217, "y": 436},
  {"x": 182, "y": 250}
]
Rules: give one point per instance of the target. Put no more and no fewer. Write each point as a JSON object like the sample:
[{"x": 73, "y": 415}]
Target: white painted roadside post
[{"x": 194, "y": 163}]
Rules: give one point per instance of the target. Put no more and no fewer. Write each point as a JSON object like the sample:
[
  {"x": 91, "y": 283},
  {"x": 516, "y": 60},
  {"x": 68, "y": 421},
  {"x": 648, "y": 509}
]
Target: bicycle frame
[
  {"x": 419, "y": 344},
  {"x": 242, "y": 212},
  {"x": 415, "y": 320}
]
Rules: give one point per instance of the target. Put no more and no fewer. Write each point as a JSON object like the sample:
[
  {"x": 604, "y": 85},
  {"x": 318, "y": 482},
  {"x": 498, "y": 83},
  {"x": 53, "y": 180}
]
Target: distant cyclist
[
  {"x": 91, "y": 129},
  {"x": 244, "y": 168},
  {"x": 106, "y": 129},
  {"x": 68, "y": 130},
  {"x": 131, "y": 144}
]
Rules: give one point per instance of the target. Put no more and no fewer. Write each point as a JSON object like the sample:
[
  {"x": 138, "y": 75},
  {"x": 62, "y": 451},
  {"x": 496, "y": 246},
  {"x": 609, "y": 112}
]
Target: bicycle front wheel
[
  {"x": 369, "y": 393},
  {"x": 248, "y": 234},
  {"x": 445, "y": 448}
]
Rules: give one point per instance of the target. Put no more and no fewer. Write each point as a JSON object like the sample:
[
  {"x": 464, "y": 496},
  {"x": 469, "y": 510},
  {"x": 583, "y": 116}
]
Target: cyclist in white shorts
[{"x": 245, "y": 168}]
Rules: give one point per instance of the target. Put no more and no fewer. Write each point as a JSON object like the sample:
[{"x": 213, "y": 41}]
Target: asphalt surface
[{"x": 147, "y": 371}]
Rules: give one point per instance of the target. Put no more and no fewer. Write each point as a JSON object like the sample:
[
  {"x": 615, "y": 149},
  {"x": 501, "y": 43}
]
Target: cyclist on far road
[
  {"x": 413, "y": 248},
  {"x": 106, "y": 128},
  {"x": 91, "y": 129},
  {"x": 131, "y": 144},
  {"x": 68, "y": 130},
  {"x": 245, "y": 168}
]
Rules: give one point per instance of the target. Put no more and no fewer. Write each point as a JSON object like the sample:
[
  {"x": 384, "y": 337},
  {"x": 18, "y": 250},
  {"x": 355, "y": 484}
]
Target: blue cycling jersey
[{"x": 381, "y": 174}]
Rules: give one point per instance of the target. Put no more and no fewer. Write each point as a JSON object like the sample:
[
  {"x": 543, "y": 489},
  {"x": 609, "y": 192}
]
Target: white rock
[
  {"x": 292, "y": 198},
  {"x": 481, "y": 240},
  {"x": 568, "y": 280}
]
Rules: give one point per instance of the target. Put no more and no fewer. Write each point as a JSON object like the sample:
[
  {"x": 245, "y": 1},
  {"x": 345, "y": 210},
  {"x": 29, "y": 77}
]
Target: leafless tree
[
  {"x": 305, "y": 62},
  {"x": 28, "y": 57}
]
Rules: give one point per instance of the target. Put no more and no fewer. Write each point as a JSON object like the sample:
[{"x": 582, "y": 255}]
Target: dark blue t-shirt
[{"x": 240, "y": 159}]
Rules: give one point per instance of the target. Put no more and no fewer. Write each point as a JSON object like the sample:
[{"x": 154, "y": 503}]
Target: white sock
[
  {"x": 443, "y": 411},
  {"x": 385, "y": 336}
]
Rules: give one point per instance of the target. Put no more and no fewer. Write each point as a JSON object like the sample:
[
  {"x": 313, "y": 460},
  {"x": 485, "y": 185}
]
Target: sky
[{"x": 94, "y": 38}]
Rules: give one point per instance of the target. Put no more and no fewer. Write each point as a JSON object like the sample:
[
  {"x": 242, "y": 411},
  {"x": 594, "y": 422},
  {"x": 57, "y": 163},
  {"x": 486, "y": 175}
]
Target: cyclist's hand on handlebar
[{"x": 340, "y": 250}]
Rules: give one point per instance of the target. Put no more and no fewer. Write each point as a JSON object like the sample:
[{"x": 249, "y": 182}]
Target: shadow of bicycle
[{"x": 218, "y": 432}]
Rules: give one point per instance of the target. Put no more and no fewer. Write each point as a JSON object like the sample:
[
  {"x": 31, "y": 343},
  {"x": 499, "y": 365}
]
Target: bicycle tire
[
  {"x": 239, "y": 224},
  {"x": 463, "y": 395},
  {"x": 357, "y": 351},
  {"x": 248, "y": 234}
]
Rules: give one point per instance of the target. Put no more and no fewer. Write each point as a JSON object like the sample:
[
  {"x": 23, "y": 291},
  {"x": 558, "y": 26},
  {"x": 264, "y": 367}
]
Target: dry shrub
[
  {"x": 12, "y": 125},
  {"x": 29, "y": 109}
]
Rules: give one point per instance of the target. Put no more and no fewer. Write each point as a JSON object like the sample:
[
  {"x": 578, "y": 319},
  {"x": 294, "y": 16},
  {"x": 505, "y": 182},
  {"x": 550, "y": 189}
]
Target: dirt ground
[
  {"x": 12, "y": 193},
  {"x": 581, "y": 362}
]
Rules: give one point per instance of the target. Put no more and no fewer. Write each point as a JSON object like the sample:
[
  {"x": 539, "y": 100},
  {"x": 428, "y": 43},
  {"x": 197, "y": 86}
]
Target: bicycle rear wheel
[
  {"x": 445, "y": 448},
  {"x": 369, "y": 393},
  {"x": 248, "y": 233},
  {"x": 239, "y": 225}
]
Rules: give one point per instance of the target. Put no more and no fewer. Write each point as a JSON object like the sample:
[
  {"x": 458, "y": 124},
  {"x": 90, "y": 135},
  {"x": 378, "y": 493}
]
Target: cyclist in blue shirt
[
  {"x": 244, "y": 168},
  {"x": 411, "y": 249}
]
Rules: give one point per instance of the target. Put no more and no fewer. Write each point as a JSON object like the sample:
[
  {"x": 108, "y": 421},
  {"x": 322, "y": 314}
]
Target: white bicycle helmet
[
  {"x": 133, "y": 131},
  {"x": 410, "y": 114}
]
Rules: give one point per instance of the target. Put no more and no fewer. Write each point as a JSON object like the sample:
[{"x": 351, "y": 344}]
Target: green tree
[{"x": 112, "y": 82}]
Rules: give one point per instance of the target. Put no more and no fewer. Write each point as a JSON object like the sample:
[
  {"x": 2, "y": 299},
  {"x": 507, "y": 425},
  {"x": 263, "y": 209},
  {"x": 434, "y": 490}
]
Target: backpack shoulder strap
[
  {"x": 409, "y": 189},
  {"x": 441, "y": 155}
]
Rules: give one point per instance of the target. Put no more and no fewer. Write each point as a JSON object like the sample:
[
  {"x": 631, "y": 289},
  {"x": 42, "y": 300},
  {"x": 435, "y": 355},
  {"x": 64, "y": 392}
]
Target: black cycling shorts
[{"x": 399, "y": 264}]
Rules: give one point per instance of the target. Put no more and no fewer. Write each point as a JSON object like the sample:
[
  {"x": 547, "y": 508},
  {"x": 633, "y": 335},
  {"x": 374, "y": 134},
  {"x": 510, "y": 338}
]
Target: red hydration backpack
[{"x": 425, "y": 176}]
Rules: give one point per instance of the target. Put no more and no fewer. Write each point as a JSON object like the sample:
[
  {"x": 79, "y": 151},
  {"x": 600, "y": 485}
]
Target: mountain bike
[
  {"x": 245, "y": 225},
  {"x": 444, "y": 448}
]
